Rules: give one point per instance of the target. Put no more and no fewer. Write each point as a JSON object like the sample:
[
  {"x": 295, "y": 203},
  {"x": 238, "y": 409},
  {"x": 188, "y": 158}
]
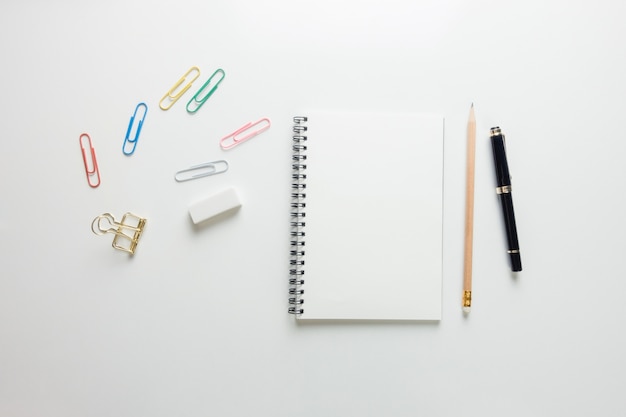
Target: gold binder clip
[
  {"x": 127, "y": 232},
  {"x": 171, "y": 97}
]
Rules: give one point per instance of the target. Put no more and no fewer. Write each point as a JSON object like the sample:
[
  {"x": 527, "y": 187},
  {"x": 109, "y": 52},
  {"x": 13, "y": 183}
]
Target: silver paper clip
[
  {"x": 231, "y": 140},
  {"x": 134, "y": 141},
  {"x": 127, "y": 231},
  {"x": 202, "y": 170}
]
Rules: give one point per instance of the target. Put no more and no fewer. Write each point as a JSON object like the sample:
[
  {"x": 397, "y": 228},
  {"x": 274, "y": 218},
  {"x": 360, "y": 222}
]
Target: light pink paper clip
[{"x": 231, "y": 140}]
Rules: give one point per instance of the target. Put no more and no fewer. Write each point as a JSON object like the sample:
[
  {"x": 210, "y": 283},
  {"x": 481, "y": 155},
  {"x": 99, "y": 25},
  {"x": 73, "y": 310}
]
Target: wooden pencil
[{"x": 469, "y": 211}]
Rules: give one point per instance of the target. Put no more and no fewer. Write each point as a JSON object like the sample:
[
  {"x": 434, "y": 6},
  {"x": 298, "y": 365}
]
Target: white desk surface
[{"x": 196, "y": 324}]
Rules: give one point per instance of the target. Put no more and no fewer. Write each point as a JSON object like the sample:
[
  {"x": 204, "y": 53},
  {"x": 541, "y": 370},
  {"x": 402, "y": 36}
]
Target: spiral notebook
[{"x": 366, "y": 216}]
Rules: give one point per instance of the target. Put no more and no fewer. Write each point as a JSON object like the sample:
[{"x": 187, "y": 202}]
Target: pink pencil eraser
[{"x": 212, "y": 206}]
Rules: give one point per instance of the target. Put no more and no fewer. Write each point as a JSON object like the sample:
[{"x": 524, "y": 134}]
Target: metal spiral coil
[{"x": 298, "y": 207}]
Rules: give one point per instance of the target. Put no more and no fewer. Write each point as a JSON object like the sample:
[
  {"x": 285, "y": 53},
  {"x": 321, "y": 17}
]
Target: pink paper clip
[
  {"x": 94, "y": 170},
  {"x": 231, "y": 140}
]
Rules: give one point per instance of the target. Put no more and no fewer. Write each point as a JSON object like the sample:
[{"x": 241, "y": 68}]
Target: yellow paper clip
[
  {"x": 127, "y": 232},
  {"x": 232, "y": 139},
  {"x": 171, "y": 97}
]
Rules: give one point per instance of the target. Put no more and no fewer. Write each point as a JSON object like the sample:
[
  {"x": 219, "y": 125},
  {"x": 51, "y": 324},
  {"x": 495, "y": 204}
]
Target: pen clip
[{"x": 506, "y": 155}]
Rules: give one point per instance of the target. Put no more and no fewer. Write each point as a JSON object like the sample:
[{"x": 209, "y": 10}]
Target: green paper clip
[{"x": 199, "y": 102}]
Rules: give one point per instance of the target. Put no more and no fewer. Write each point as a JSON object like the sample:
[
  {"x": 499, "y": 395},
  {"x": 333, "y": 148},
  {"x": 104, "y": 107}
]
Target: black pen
[{"x": 503, "y": 190}]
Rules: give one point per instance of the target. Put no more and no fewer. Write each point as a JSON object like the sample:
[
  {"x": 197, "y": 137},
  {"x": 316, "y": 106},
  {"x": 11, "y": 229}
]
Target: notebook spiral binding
[{"x": 298, "y": 214}]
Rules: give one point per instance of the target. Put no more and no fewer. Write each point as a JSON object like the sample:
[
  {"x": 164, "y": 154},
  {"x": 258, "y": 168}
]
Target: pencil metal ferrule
[{"x": 467, "y": 298}]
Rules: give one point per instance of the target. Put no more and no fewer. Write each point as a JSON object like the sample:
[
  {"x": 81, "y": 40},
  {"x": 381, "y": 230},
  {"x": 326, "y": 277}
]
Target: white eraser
[{"x": 212, "y": 206}]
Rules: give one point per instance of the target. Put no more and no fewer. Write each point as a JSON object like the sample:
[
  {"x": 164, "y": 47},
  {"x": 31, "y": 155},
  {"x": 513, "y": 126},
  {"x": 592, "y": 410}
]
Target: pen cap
[{"x": 503, "y": 176}]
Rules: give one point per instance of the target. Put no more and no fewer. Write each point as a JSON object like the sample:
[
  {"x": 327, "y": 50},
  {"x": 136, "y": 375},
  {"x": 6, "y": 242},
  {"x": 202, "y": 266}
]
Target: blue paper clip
[
  {"x": 134, "y": 141},
  {"x": 199, "y": 102}
]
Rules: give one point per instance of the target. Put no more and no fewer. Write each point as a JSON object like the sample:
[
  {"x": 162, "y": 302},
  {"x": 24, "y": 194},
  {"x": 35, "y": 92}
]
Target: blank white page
[{"x": 374, "y": 207}]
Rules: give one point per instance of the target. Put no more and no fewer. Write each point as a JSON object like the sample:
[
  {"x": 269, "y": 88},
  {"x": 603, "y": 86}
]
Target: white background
[{"x": 195, "y": 324}]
